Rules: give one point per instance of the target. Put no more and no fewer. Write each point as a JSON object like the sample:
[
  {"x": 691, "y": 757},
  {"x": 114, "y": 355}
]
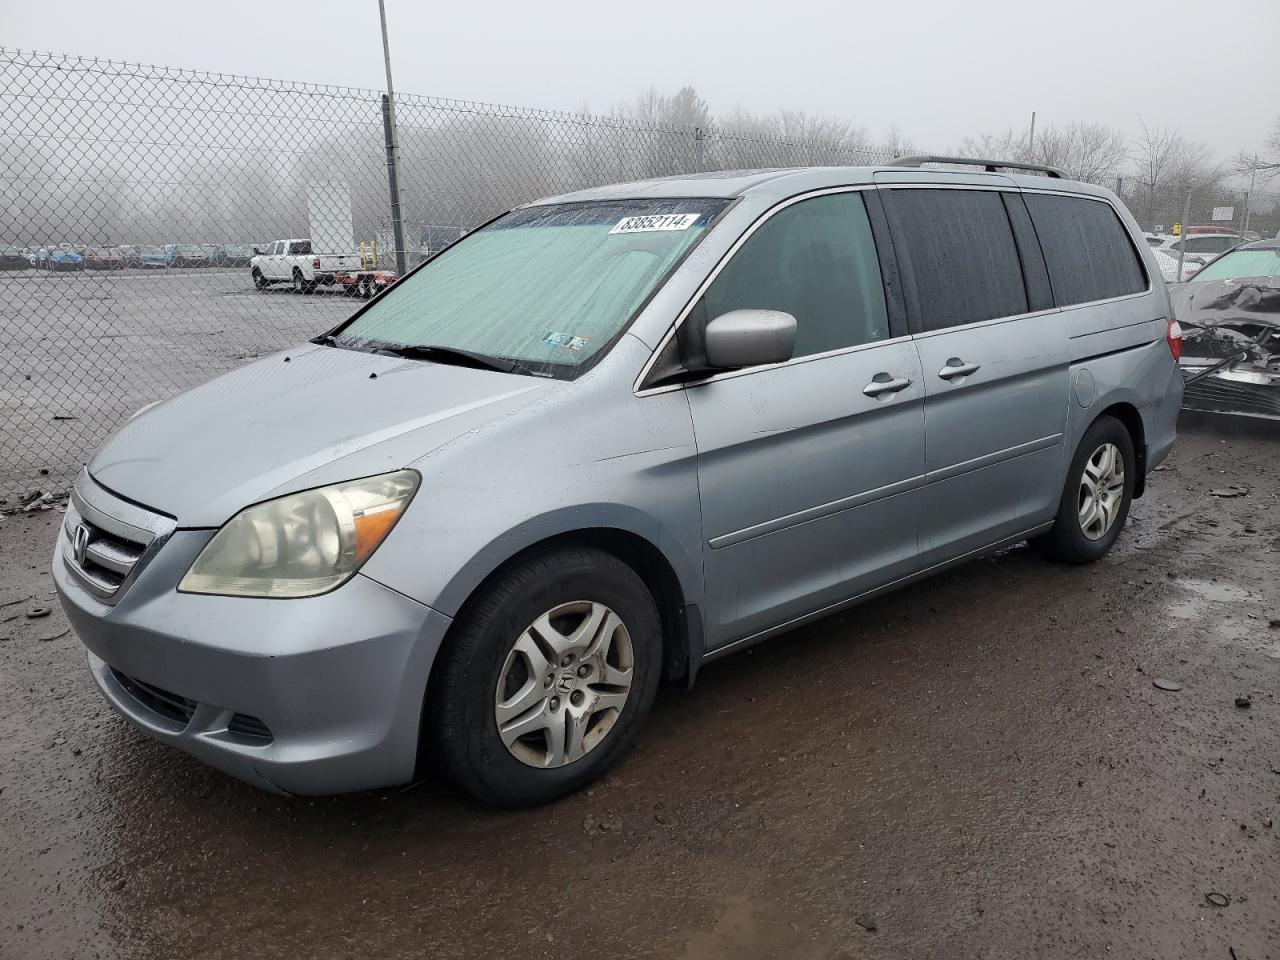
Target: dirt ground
[{"x": 978, "y": 766}]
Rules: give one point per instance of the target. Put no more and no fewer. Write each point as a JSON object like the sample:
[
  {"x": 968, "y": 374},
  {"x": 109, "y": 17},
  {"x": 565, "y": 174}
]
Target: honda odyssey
[{"x": 603, "y": 440}]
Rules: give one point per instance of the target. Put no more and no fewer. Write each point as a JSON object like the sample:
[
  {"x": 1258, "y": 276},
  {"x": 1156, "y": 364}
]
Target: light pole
[{"x": 393, "y": 149}]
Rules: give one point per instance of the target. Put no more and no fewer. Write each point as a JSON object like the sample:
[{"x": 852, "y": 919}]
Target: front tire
[
  {"x": 546, "y": 677},
  {"x": 1096, "y": 498},
  {"x": 259, "y": 281}
]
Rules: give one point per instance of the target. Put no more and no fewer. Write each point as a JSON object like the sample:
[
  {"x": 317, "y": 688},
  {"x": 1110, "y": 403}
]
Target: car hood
[
  {"x": 295, "y": 420},
  {"x": 1217, "y": 301}
]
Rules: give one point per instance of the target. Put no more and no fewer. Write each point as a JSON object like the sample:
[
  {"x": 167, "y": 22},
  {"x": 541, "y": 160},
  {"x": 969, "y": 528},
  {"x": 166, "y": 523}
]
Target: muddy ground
[{"x": 979, "y": 766}]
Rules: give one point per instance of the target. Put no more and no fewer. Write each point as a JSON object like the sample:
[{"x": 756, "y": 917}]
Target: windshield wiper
[
  {"x": 438, "y": 354},
  {"x": 454, "y": 355}
]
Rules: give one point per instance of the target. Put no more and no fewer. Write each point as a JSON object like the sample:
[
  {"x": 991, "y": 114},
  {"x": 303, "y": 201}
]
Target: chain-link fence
[{"x": 132, "y": 198}]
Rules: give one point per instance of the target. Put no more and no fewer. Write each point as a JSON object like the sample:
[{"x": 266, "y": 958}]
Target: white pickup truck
[{"x": 292, "y": 261}]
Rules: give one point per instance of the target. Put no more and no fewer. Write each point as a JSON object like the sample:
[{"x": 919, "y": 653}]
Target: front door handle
[
  {"x": 958, "y": 368},
  {"x": 885, "y": 383}
]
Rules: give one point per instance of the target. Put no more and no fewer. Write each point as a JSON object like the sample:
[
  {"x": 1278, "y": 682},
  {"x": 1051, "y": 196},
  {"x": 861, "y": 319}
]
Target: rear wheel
[
  {"x": 299, "y": 285},
  {"x": 1096, "y": 498},
  {"x": 546, "y": 678}
]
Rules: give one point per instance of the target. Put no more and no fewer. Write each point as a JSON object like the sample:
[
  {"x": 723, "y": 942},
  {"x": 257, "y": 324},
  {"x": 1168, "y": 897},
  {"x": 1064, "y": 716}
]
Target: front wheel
[
  {"x": 1096, "y": 498},
  {"x": 546, "y": 678},
  {"x": 259, "y": 281}
]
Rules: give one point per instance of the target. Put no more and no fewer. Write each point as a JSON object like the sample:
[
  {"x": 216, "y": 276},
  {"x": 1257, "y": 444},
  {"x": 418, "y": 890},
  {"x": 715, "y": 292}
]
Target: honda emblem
[{"x": 80, "y": 543}]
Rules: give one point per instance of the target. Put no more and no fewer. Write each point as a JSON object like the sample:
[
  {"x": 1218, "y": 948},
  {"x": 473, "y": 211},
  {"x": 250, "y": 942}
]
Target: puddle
[
  {"x": 1203, "y": 593},
  {"x": 1213, "y": 600}
]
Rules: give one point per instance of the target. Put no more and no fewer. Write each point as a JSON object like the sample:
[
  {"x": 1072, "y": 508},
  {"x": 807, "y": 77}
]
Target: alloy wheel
[
  {"x": 564, "y": 684},
  {"x": 1101, "y": 491}
]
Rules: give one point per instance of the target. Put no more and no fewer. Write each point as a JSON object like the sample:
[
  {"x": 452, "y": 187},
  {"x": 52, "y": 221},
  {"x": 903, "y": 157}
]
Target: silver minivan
[{"x": 602, "y": 440}]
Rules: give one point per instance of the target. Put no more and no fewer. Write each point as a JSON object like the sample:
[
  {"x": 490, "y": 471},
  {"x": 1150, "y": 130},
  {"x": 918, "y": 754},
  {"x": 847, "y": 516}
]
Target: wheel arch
[
  {"x": 1131, "y": 419},
  {"x": 679, "y": 613},
  {"x": 681, "y": 619}
]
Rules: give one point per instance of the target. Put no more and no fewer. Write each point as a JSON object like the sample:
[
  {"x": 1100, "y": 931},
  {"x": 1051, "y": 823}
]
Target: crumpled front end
[{"x": 1231, "y": 347}]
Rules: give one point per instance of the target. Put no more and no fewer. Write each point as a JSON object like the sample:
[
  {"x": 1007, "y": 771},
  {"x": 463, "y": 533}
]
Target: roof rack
[{"x": 991, "y": 166}]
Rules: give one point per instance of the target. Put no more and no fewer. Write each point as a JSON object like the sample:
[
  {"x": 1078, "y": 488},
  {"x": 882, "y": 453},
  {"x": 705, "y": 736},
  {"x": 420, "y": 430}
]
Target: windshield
[
  {"x": 547, "y": 286},
  {"x": 1242, "y": 264}
]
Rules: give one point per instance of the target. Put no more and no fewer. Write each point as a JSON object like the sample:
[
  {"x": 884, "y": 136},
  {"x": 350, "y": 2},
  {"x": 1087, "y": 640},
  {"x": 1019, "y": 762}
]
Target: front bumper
[{"x": 337, "y": 681}]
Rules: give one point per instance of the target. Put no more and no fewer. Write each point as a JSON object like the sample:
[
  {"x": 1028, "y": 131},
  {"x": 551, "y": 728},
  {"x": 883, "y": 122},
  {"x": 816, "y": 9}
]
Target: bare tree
[
  {"x": 1092, "y": 152},
  {"x": 1168, "y": 164},
  {"x": 895, "y": 144}
]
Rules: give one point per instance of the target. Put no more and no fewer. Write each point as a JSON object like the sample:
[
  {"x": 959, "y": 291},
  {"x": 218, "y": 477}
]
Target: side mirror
[{"x": 750, "y": 338}]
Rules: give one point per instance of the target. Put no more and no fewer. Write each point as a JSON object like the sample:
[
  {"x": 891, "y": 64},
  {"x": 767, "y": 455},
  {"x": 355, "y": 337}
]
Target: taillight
[
  {"x": 315, "y": 264},
  {"x": 1173, "y": 335}
]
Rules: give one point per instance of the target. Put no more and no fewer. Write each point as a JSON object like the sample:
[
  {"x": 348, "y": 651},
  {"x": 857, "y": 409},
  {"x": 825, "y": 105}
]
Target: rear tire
[
  {"x": 299, "y": 285},
  {"x": 1096, "y": 497},
  {"x": 565, "y": 646}
]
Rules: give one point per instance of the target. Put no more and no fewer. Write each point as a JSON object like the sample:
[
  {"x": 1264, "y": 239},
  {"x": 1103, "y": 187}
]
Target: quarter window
[
  {"x": 1086, "y": 248},
  {"x": 815, "y": 260},
  {"x": 961, "y": 255}
]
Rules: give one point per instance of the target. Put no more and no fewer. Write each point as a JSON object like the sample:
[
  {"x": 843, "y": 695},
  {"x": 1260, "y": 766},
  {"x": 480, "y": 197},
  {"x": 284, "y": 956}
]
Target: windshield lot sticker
[
  {"x": 568, "y": 341},
  {"x": 664, "y": 221}
]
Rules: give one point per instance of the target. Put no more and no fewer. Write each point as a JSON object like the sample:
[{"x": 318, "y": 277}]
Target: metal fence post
[
  {"x": 1182, "y": 240},
  {"x": 393, "y": 150},
  {"x": 393, "y": 183},
  {"x": 699, "y": 164}
]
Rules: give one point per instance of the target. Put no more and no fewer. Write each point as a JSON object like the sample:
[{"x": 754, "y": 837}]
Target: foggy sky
[{"x": 939, "y": 69}]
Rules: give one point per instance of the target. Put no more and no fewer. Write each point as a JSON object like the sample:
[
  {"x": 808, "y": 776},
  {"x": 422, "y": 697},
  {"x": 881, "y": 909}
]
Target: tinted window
[
  {"x": 959, "y": 248},
  {"x": 1086, "y": 247},
  {"x": 1210, "y": 244},
  {"x": 815, "y": 260},
  {"x": 300, "y": 247}
]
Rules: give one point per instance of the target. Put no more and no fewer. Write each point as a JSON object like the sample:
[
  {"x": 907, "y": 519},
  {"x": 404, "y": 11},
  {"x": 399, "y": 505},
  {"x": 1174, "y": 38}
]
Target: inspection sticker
[
  {"x": 568, "y": 341},
  {"x": 662, "y": 221}
]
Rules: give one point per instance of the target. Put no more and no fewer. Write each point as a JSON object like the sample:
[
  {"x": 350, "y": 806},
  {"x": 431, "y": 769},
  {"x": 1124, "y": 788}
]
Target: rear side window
[
  {"x": 1086, "y": 247},
  {"x": 815, "y": 260},
  {"x": 959, "y": 250},
  {"x": 300, "y": 248}
]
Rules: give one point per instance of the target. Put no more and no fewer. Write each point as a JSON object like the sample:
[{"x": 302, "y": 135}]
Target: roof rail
[{"x": 991, "y": 166}]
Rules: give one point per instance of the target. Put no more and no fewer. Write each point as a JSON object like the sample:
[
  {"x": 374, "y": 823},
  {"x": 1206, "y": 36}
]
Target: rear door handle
[
  {"x": 958, "y": 368},
  {"x": 885, "y": 383}
]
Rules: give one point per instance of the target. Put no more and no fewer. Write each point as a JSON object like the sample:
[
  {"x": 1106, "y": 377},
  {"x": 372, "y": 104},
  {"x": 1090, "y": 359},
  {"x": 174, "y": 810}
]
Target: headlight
[{"x": 303, "y": 544}]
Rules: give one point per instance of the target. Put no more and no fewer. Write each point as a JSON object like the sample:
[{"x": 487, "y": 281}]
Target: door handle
[
  {"x": 885, "y": 383},
  {"x": 958, "y": 368}
]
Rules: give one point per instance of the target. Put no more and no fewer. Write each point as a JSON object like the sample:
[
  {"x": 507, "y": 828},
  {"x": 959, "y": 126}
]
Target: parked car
[
  {"x": 1208, "y": 245},
  {"x": 60, "y": 258},
  {"x": 131, "y": 254},
  {"x": 104, "y": 258},
  {"x": 293, "y": 262},
  {"x": 1230, "y": 312},
  {"x": 232, "y": 255},
  {"x": 153, "y": 257},
  {"x": 185, "y": 255},
  {"x": 601, "y": 441},
  {"x": 12, "y": 258},
  {"x": 1169, "y": 268}
]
